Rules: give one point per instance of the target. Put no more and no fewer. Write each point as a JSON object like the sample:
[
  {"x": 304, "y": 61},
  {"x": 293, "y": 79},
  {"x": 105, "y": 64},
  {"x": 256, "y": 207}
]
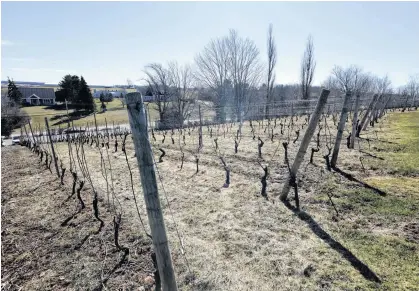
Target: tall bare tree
[
  {"x": 245, "y": 71},
  {"x": 213, "y": 72},
  {"x": 271, "y": 67},
  {"x": 158, "y": 80},
  {"x": 308, "y": 65},
  {"x": 183, "y": 91},
  {"x": 413, "y": 89}
]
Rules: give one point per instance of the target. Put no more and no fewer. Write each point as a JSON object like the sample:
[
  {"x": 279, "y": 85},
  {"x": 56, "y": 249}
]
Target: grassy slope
[
  {"x": 238, "y": 241},
  {"x": 375, "y": 227}
]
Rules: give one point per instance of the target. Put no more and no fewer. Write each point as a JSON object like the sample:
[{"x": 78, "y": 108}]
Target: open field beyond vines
[{"x": 357, "y": 228}]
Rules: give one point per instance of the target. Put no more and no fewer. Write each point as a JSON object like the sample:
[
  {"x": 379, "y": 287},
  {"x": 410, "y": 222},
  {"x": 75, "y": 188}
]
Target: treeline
[{"x": 229, "y": 72}]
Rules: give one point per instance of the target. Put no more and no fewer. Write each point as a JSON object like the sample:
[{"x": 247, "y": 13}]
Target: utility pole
[
  {"x": 52, "y": 148},
  {"x": 144, "y": 154}
]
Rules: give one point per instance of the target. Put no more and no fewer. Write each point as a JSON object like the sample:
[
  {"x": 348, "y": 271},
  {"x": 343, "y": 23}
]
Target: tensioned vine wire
[
  {"x": 132, "y": 188},
  {"x": 183, "y": 252}
]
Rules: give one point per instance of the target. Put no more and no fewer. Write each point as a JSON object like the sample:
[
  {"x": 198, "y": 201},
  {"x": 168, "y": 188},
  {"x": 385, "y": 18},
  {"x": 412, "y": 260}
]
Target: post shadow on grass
[
  {"x": 379, "y": 140},
  {"x": 362, "y": 268},
  {"x": 350, "y": 177},
  {"x": 371, "y": 155}
]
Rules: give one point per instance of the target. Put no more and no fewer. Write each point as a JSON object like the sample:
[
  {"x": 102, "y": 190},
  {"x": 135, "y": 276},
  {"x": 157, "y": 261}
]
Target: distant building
[{"x": 38, "y": 96}]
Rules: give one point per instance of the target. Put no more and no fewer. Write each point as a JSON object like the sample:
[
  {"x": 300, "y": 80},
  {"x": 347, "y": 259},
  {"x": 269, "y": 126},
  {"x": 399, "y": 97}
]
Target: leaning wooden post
[
  {"x": 33, "y": 137},
  {"x": 305, "y": 142},
  {"x": 372, "y": 112},
  {"x": 385, "y": 106},
  {"x": 200, "y": 128},
  {"x": 354, "y": 122},
  {"x": 26, "y": 132},
  {"x": 97, "y": 133},
  {"x": 144, "y": 154},
  {"x": 52, "y": 148},
  {"x": 341, "y": 127},
  {"x": 365, "y": 117}
]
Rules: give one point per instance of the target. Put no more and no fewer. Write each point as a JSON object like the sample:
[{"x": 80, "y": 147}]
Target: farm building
[{"x": 38, "y": 96}]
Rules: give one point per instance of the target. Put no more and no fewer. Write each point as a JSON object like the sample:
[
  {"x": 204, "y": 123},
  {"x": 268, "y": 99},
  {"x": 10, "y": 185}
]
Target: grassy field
[
  {"x": 115, "y": 113},
  {"x": 357, "y": 229}
]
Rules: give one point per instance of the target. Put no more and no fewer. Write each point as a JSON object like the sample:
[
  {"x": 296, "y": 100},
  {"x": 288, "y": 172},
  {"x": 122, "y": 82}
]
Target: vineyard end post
[
  {"x": 305, "y": 142},
  {"x": 144, "y": 154},
  {"x": 52, "y": 147}
]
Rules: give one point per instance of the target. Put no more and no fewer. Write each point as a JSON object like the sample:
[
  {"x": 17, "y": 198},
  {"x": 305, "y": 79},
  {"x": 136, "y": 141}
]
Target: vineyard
[{"x": 343, "y": 226}]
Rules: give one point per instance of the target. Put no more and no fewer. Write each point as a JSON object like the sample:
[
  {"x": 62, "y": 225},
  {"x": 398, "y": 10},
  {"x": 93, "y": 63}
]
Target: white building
[{"x": 38, "y": 96}]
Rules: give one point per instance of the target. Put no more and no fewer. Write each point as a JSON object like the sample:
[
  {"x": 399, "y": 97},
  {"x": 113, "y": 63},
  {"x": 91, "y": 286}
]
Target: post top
[{"x": 133, "y": 98}]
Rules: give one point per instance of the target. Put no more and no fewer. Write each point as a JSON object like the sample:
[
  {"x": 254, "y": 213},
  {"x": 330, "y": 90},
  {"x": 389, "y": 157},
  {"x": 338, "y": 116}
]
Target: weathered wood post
[
  {"x": 144, "y": 154},
  {"x": 26, "y": 133},
  {"x": 52, "y": 148},
  {"x": 365, "y": 117},
  {"x": 33, "y": 137},
  {"x": 200, "y": 128},
  {"x": 372, "y": 111},
  {"x": 385, "y": 106},
  {"x": 354, "y": 121},
  {"x": 305, "y": 142},
  {"x": 97, "y": 133},
  {"x": 341, "y": 127}
]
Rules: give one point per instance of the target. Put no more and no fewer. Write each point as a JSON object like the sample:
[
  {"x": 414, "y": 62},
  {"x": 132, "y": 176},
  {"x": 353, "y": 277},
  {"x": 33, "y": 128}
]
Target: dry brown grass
[
  {"x": 40, "y": 254},
  {"x": 237, "y": 240}
]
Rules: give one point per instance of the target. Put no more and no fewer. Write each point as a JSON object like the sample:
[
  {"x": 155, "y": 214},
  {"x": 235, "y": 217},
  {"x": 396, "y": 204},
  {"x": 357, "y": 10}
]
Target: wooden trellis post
[
  {"x": 144, "y": 154},
  {"x": 341, "y": 127},
  {"x": 366, "y": 114},
  {"x": 305, "y": 142},
  {"x": 354, "y": 122},
  {"x": 52, "y": 148}
]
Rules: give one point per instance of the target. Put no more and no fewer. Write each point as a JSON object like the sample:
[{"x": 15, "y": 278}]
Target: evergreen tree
[
  {"x": 85, "y": 97},
  {"x": 69, "y": 89},
  {"x": 149, "y": 91},
  {"x": 13, "y": 93}
]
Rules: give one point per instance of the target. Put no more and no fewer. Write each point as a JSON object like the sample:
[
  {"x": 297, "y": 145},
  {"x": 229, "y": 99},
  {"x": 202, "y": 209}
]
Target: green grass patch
[
  {"x": 393, "y": 259},
  {"x": 401, "y": 156}
]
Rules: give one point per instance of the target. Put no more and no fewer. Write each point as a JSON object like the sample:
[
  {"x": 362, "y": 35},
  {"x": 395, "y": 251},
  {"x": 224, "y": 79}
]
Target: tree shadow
[
  {"x": 362, "y": 268},
  {"x": 379, "y": 140},
  {"x": 371, "y": 155},
  {"x": 350, "y": 177}
]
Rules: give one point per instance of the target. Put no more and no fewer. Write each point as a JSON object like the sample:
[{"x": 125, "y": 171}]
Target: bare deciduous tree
[
  {"x": 413, "y": 89},
  {"x": 182, "y": 89},
  {"x": 213, "y": 65},
  {"x": 158, "y": 80},
  {"x": 245, "y": 71},
  {"x": 271, "y": 67},
  {"x": 308, "y": 65}
]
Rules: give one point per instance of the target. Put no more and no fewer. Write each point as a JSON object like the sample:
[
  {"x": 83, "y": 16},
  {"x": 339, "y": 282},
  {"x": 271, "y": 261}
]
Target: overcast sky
[{"x": 108, "y": 42}]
